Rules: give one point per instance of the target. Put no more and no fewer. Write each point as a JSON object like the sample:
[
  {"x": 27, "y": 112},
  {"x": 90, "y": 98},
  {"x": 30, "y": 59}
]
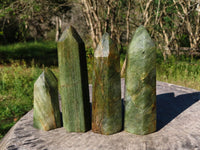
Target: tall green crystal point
[
  {"x": 106, "y": 100},
  {"x": 46, "y": 114},
  {"x": 140, "y": 97},
  {"x": 73, "y": 82}
]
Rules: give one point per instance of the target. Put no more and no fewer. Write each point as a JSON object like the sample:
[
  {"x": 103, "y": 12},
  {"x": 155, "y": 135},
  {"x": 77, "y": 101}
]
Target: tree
[
  {"x": 30, "y": 16},
  {"x": 105, "y": 16},
  {"x": 189, "y": 17}
]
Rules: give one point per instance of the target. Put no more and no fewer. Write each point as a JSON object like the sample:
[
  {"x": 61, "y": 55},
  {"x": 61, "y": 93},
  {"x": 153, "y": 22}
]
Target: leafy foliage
[{"x": 28, "y": 18}]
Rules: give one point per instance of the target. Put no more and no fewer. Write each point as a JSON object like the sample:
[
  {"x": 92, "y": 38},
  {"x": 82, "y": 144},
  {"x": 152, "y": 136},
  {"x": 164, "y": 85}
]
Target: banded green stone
[
  {"x": 46, "y": 115},
  {"x": 106, "y": 100},
  {"x": 73, "y": 82},
  {"x": 140, "y": 97}
]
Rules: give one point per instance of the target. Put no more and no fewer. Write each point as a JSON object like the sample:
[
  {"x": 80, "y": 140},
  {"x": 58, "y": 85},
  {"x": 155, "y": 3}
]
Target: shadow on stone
[
  {"x": 170, "y": 106},
  {"x": 61, "y": 119},
  {"x": 123, "y": 113}
]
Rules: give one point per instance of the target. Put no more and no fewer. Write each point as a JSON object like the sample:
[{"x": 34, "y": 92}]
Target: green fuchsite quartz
[
  {"x": 46, "y": 114},
  {"x": 73, "y": 82},
  {"x": 106, "y": 100},
  {"x": 140, "y": 97}
]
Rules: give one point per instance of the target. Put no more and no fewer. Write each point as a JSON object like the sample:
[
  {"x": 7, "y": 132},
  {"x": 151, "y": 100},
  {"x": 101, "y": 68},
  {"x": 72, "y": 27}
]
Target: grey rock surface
[{"x": 178, "y": 117}]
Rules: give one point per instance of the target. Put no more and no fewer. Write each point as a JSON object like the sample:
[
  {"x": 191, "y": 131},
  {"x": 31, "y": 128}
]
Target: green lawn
[
  {"x": 42, "y": 53},
  {"x": 184, "y": 72},
  {"x": 16, "y": 93}
]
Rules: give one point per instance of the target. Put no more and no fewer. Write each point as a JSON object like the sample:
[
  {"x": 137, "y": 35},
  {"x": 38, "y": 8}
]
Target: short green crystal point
[
  {"x": 106, "y": 100},
  {"x": 73, "y": 82},
  {"x": 46, "y": 114},
  {"x": 140, "y": 97}
]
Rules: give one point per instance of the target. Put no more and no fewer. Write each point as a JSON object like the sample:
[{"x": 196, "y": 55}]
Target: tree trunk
[
  {"x": 57, "y": 29},
  {"x": 127, "y": 22},
  {"x": 123, "y": 67}
]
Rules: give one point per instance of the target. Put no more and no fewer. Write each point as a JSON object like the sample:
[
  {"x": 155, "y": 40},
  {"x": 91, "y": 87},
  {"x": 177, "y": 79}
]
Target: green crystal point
[
  {"x": 46, "y": 114},
  {"x": 73, "y": 82},
  {"x": 106, "y": 100},
  {"x": 140, "y": 97},
  {"x": 103, "y": 47}
]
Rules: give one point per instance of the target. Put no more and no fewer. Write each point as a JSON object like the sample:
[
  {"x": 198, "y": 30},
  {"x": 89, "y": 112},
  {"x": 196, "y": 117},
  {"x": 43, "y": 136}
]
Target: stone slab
[{"x": 178, "y": 128}]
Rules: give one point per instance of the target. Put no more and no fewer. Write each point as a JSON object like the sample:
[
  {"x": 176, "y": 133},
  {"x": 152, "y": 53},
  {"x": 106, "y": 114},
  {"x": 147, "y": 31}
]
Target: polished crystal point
[
  {"x": 46, "y": 114},
  {"x": 140, "y": 97},
  {"x": 103, "y": 47},
  {"x": 106, "y": 100},
  {"x": 73, "y": 82}
]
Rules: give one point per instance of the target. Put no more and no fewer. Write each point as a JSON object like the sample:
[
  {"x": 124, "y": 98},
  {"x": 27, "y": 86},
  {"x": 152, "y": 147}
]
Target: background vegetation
[{"x": 29, "y": 30}]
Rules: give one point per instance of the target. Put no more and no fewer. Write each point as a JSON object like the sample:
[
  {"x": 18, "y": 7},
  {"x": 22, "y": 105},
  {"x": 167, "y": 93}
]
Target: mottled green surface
[
  {"x": 140, "y": 98},
  {"x": 46, "y": 114},
  {"x": 73, "y": 82},
  {"x": 106, "y": 100}
]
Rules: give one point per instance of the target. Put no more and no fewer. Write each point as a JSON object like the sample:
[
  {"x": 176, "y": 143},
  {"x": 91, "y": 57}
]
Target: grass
[
  {"x": 17, "y": 76},
  {"x": 43, "y": 53},
  {"x": 180, "y": 71},
  {"x": 16, "y": 93}
]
